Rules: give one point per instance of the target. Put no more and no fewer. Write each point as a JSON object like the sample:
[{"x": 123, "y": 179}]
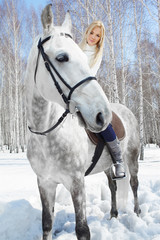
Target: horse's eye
[{"x": 62, "y": 57}]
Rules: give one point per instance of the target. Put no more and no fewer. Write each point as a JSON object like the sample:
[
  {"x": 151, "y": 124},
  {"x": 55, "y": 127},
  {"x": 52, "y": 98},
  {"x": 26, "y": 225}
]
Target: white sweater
[{"x": 90, "y": 51}]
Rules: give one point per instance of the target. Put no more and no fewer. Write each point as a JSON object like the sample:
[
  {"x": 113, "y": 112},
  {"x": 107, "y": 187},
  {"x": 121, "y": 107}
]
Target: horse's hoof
[
  {"x": 114, "y": 214},
  {"x": 137, "y": 211}
]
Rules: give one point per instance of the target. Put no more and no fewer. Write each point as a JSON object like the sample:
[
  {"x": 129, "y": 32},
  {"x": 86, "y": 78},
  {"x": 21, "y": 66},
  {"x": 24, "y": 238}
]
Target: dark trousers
[{"x": 108, "y": 134}]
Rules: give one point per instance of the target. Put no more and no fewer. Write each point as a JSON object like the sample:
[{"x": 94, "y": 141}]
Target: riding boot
[{"x": 115, "y": 151}]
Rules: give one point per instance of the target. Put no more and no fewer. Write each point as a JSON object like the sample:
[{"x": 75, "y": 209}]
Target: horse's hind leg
[
  {"x": 134, "y": 186},
  {"x": 133, "y": 169},
  {"x": 47, "y": 193},
  {"x": 113, "y": 188},
  {"x": 78, "y": 196}
]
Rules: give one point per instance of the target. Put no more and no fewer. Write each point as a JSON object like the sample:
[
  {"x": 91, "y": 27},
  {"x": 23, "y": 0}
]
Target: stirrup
[{"x": 113, "y": 175}]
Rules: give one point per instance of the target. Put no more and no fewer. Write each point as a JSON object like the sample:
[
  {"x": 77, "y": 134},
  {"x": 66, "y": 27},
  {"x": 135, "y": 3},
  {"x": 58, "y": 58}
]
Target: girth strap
[{"x": 98, "y": 152}]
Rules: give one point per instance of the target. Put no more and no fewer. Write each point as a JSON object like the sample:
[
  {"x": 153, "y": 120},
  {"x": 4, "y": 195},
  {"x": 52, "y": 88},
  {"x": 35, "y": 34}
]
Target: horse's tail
[{"x": 122, "y": 191}]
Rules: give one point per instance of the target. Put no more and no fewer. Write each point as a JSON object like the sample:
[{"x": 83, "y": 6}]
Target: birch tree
[
  {"x": 123, "y": 86},
  {"x": 7, "y": 95},
  {"x": 16, "y": 43},
  {"x": 11, "y": 32},
  {"x": 138, "y": 38},
  {"x": 158, "y": 6},
  {"x": 1, "y": 94},
  {"x": 114, "y": 87}
]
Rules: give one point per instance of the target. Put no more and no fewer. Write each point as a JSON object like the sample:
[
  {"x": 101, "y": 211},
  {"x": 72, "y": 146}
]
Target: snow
[{"x": 20, "y": 206}]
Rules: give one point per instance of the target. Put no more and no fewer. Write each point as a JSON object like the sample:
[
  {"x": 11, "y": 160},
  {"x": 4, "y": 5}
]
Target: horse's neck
[{"x": 42, "y": 114}]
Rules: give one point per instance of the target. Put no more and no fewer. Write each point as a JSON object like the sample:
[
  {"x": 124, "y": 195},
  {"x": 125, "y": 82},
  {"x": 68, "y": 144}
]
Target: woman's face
[{"x": 94, "y": 36}]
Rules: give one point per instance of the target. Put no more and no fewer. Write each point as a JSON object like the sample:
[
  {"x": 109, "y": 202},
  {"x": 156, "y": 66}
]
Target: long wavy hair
[{"x": 99, "y": 45}]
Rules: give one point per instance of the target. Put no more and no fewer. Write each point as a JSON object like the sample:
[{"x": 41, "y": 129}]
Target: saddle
[{"x": 117, "y": 125}]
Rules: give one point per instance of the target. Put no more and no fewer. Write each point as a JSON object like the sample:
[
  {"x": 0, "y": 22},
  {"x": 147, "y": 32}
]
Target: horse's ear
[
  {"x": 67, "y": 22},
  {"x": 47, "y": 18}
]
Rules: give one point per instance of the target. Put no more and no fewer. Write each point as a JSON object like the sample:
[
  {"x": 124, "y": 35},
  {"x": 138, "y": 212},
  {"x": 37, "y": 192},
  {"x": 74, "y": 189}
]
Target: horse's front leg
[
  {"x": 79, "y": 200},
  {"x": 47, "y": 193}
]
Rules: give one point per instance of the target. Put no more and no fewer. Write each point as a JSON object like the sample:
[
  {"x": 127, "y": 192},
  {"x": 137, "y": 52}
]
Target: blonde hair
[{"x": 100, "y": 44}]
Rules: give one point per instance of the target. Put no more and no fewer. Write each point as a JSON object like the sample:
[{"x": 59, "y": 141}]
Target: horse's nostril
[{"x": 100, "y": 119}]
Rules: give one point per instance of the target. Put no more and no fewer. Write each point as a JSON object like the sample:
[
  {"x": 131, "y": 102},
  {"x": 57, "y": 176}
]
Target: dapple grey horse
[{"x": 62, "y": 99}]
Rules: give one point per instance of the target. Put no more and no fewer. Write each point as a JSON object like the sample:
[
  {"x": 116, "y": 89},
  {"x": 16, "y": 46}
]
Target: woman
[{"x": 92, "y": 45}]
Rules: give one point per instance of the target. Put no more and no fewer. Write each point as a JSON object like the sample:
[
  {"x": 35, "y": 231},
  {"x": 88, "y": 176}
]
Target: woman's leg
[
  {"x": 108, "y": 134},
  {"x": 113, "y": 145}
]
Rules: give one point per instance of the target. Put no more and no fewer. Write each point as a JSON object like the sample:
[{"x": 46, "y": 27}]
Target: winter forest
[{"x": 129, "y": 73}]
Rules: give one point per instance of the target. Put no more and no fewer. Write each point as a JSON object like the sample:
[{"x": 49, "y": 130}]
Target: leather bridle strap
[
  {"x": 78, "y": 84},
  {"x": 49, "y": 65},
  {"x": 53, "y": 127}
]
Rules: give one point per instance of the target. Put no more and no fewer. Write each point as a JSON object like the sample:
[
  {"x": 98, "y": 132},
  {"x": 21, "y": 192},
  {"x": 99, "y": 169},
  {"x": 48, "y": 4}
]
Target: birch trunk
[
  {"x": 114, "y": 87},
  {"x": 10, "y": 106},
  {"x": 1, "y": 94},
  {"x": 9, "y": 109},
  {"x": 153, "y": 128},
  {"x": 87, "y": 11},
  {"x": 21, "y": 122},
  {"x": 122, "y": 56},
  {"x": 16, "y": 26},
  {"x": 158, "y": 2},
  {"x": 138, "y": 36}
]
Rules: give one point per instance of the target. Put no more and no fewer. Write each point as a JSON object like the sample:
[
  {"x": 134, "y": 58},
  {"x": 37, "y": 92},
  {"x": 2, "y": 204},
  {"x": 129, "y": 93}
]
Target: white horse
[{"x": 60, "y": 92}]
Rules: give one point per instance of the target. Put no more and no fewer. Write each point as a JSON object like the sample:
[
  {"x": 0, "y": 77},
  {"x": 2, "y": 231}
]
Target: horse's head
[{"x": 61, "y": 74}]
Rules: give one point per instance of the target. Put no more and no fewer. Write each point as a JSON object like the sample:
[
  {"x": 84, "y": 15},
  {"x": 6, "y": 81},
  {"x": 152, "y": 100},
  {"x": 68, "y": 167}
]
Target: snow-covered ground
[{"x": 20, "y": 206}]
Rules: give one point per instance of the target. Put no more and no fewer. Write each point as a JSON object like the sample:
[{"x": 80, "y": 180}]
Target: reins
[
  {"x": 52, "y": 70},
  {"x": 53, "y": 127}
]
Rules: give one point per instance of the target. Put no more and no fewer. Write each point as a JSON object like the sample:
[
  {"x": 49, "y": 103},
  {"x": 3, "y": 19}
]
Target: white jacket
[{"x": 90, "y": 51}]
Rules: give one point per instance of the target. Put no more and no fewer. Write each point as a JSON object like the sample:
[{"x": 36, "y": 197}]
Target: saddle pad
[{"x": 117, "y": 126}]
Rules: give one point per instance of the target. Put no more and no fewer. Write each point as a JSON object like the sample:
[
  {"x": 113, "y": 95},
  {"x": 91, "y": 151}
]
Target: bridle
[{"x": 52, "y": 70}]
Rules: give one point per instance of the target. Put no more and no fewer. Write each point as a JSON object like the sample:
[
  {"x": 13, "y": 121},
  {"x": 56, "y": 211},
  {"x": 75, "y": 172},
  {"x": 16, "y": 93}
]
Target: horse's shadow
[{"x": 63, "y": 222}]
